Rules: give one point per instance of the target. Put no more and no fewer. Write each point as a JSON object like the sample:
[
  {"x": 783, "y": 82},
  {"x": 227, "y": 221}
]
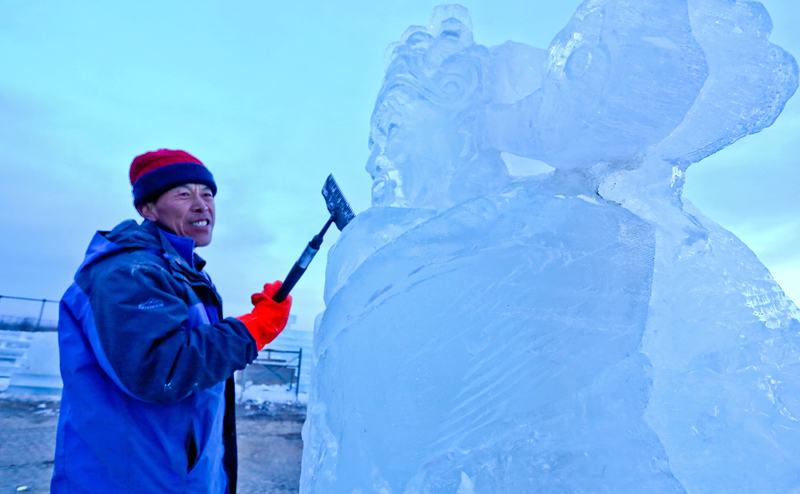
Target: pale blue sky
[{"x": 272, "y": 96}]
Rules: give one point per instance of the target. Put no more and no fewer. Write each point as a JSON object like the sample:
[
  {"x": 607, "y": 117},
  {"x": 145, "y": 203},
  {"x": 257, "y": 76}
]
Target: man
[{"x": 146, "y": 357}]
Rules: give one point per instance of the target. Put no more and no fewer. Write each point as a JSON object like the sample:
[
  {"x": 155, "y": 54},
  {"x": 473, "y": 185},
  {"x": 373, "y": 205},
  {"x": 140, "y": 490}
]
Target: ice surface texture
[{"x": 582, "y": 330}]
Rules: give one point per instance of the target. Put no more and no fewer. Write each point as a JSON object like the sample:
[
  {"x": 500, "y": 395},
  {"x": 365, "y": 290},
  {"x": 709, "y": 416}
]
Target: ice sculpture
[{"x": 582, "y": 330}]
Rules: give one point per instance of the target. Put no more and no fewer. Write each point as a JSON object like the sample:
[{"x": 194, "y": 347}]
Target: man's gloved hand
[{"x": 268, "y": 317}]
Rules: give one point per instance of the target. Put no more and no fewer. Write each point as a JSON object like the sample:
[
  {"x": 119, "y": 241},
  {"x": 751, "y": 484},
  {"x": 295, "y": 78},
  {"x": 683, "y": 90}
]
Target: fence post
[
  {"x": 41, "y": 311},
  {"x": 299, "y": 363}
]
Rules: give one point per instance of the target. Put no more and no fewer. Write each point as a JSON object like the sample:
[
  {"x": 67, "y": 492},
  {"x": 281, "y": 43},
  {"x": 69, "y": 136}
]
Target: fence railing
[
  {"x": 273, "y": 361},
  {"x": 26, "y": 322}
]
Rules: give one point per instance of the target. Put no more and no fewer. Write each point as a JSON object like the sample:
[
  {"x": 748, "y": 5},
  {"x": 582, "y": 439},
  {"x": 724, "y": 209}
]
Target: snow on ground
[{"x": 260, "y": 394}]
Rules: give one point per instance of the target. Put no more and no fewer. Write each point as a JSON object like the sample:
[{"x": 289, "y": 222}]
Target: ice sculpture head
[
  {"x": 677, "y": 79},
  {"x": 626, "y": 82},
  {"x": 425, "y": 129},
  {"x": 620, "y": 77}
]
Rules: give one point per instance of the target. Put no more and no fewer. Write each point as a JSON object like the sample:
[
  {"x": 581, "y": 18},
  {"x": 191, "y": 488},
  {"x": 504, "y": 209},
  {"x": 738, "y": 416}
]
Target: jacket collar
[
  {"x": 130, "y": 235},
  {"x": 184, "y": 246},
  {"x": 179, "y": 264},
  {"x": 180, "y": 253}
]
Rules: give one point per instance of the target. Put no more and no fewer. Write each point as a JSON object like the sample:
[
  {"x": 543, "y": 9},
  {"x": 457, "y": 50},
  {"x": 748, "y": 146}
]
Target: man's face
[{"x": 187, "y": 209}]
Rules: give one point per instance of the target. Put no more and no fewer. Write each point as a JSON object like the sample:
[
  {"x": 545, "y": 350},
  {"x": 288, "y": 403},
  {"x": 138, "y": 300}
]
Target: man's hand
[{"x": 268, "y": 317}]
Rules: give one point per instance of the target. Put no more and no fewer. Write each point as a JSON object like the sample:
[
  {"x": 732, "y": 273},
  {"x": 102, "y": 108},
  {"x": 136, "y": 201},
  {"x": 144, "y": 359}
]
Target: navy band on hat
[{"x": 150, "y": 186}]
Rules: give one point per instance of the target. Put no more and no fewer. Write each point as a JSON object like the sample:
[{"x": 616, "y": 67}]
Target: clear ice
[{"x": 529, "y": 306}]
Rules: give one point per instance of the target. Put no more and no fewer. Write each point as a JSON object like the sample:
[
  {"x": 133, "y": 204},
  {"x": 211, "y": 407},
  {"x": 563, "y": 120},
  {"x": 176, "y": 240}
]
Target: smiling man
[
  {"x": 147, "y": 358},
  {"x": 186, "y": 210}
]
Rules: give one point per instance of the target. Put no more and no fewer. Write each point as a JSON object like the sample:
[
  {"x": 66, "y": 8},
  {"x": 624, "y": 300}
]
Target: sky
[{"x": 272, "y": 97}]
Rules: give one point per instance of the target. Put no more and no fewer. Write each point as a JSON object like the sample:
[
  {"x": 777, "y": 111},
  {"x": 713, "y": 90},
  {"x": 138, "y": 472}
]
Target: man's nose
[{"x": 199, "y": 205}]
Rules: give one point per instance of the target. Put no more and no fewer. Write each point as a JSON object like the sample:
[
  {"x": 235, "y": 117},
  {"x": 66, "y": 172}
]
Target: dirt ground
[{"x": 270, "y": 447}]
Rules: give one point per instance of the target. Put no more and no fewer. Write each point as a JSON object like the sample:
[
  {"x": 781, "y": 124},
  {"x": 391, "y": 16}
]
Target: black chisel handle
[
  {"x": 300, "y": 266},
  {"x": 297, "y": 271}
]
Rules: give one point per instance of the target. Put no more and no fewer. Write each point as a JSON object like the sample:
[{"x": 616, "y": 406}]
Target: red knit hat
[{"x": 156, "y": 172}]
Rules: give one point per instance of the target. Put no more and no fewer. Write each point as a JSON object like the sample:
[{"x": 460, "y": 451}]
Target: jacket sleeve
[{"x": 141, "y": 325}]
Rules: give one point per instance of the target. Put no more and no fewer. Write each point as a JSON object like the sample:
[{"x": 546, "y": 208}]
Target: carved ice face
[
  {"x": 415, "y": 148},
  {"x": 422, "y": 123}
]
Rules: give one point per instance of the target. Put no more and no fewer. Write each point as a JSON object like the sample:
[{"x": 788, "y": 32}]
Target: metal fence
[
  {"x": 32, "y": 323},
  {"x": 278, "y": 364},
  {"x": 282, "y": 366}
]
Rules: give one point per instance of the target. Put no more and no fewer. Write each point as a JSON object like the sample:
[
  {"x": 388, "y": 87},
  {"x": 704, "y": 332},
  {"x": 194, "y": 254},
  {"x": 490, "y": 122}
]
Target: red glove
[{"x": 268, "y": 317}]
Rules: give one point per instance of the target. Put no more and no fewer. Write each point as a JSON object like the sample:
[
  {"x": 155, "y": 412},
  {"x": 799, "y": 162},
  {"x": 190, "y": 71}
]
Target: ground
[{"x": 270, "y": 447}]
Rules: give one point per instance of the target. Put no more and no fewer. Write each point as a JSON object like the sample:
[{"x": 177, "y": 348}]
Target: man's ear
[{"x": 147, "y": 211}]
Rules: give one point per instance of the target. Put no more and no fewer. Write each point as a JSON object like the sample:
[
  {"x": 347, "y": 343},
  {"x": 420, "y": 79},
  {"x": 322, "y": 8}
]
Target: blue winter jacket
[{"x": 145, "y": 357}]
